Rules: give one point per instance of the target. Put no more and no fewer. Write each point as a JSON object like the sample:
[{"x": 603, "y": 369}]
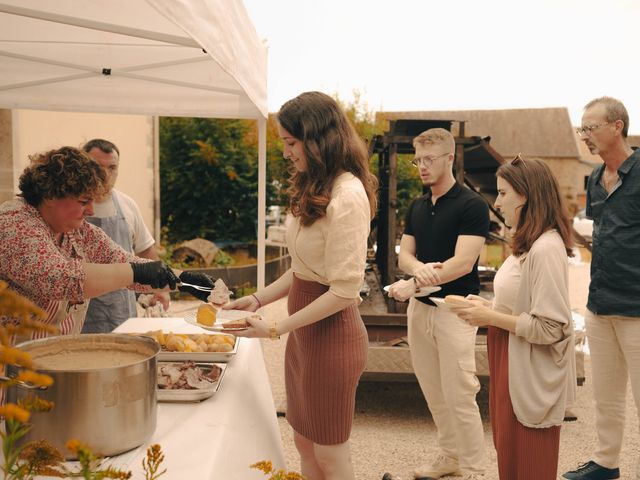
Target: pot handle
[{"x": 21, "y": 384}]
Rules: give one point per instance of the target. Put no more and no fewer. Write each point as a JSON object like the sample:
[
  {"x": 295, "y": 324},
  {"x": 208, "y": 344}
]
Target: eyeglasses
[
  {"x": 426, "y": 161},
  {"x": 588, "y": 130}
]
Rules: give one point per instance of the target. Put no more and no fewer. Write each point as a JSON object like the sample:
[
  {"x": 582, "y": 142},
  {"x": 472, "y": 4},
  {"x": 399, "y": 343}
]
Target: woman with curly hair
[
  {"x": 333, "y": 198},
  {"x": 51, "y": 255}
]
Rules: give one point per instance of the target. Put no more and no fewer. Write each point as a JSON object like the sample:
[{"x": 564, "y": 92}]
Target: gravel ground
[{"x": 393, "y": 430}]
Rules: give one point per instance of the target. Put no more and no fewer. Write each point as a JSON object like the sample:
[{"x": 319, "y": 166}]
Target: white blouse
[
  {"x": 333, "y": 251},
  {"x": 506, "y": 285}
]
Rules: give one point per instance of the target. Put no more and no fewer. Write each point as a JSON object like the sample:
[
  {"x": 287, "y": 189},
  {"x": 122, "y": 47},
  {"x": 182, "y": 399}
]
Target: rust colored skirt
[
  {"x": 523, "y": 453},
  {"x": 323, "y": 363}
]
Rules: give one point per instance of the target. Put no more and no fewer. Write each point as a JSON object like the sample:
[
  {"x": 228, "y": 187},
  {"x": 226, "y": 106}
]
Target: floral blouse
[{"x": 46, "y": 268}]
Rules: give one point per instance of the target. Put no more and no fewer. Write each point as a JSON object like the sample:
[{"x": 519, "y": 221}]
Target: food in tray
[
  {"x": 193, "y": 342},
  {"x": 186, "y": 376},
  {"x": 206, "y": 314},
  {"x": 220, "y": 293},
  {"x": 457, "y": 301}
]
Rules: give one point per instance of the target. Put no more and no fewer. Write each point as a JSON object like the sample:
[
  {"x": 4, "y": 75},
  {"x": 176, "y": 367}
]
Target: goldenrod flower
[
  {"x": 35, "y": 378},
  {"x": 36, "y": 404},
  {"x": 264, "y": 466},
  {"x": 151, "y": 464},
  {"x": 114, "y": 473},
  {"x": 16, "y": 305},
  {"x": 294, "y": 476},
  {"x": 14, "y": 356},
  {"x": 11, "y": 411},
  {"x": 74, "y": 445},
  {"x": 41, "y": 457}
]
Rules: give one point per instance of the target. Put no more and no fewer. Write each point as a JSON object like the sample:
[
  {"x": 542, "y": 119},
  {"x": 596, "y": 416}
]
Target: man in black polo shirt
[
  {"x": 613, "y": 309},
  {"x": 444, "y": 234}
]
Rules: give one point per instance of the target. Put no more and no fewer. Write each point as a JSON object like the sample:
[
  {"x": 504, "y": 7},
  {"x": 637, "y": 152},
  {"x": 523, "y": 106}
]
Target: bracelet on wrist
[{"x": 257, "y": 300}]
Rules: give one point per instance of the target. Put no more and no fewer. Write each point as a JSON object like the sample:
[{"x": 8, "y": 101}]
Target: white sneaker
[{"x": 441, "y": 466}]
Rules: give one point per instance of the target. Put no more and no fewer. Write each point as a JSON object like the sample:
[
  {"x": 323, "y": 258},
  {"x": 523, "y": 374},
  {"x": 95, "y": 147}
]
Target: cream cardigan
[{"x": 542, "y": 370}]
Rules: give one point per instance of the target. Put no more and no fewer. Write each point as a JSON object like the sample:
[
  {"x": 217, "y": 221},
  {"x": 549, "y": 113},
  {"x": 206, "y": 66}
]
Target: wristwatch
[{"x": 273, "y": 333}]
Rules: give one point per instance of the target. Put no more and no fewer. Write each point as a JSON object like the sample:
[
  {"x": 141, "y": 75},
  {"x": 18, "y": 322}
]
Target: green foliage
[
  {"x": 409, "y": 188},
  {"x": 223, "y": 259},
  {"x": 209, "y": 174},
  {"x": 208, "y": 178}
]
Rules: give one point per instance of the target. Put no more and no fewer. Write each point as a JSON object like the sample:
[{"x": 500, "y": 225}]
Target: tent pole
[
  {"x": 101, "y": 26},
  {"x": 262, "y": 198}
]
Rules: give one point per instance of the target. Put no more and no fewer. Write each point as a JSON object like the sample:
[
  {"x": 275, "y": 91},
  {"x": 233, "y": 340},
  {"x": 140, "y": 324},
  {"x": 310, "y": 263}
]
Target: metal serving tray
[
  {"x": 166, "y": 356},
  {"x": 195, "y": 395}
]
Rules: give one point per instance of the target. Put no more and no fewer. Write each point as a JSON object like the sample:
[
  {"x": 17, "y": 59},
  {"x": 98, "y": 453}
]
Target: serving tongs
[{"x": 197, "y": 287}]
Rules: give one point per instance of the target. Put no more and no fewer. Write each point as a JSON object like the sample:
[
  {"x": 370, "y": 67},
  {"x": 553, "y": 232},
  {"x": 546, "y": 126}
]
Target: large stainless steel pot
[{"x": 111, "y": 409}]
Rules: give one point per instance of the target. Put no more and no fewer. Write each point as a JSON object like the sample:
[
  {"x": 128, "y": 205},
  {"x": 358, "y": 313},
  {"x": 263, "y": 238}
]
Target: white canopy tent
[{"x": 197, "y": 58}]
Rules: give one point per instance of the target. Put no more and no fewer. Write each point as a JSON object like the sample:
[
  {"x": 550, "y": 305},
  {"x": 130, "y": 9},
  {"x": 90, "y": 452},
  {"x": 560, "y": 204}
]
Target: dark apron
[{"x": 108, "y": 311}]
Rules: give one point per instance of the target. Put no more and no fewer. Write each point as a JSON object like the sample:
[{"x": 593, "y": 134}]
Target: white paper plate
[
  {"x": 442, "y": 304},
  {"x": 221, "y": 317},
  {"x": 421, "y": 292}
]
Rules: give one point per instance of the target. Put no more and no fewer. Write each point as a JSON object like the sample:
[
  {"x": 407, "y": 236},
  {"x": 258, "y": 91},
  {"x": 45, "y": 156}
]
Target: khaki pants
[
  {"x": 614, "y": 343},
  {"x": 443, "y": 355}
]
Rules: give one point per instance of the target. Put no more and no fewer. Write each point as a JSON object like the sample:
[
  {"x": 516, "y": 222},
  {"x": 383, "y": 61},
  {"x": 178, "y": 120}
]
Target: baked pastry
[
  {"x": 457, "y": 301},
  {"x": 206, "y": 314}
]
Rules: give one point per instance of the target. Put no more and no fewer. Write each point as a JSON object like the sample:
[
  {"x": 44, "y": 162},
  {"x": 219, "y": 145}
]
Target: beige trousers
[
  {"x": 443, "y": 355},
  {"x": 614, "y": 344}
]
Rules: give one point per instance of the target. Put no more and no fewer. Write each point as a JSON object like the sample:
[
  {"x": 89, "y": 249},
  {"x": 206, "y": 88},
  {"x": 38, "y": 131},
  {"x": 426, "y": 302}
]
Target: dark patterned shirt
[{"x": 615, "y": 263}]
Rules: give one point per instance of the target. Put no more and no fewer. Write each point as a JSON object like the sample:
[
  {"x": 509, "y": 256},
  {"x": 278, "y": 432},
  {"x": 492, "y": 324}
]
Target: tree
[
  {"x": 208, "y": 178},
  {"x": 209, "y": 172}
]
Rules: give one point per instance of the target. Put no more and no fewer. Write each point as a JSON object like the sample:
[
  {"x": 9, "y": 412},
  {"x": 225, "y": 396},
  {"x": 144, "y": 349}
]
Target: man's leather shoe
[{"x": 592, "y": 471}]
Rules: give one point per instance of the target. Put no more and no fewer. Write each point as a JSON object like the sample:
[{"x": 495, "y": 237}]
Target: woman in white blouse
[
  {"x": 530, "y": 337},
  {"x": 332, "y": 199}
]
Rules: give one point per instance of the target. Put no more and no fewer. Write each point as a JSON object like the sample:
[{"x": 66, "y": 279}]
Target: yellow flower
[
  {"x": 35, "y": 404},
  {"x": 35, "y": 378},
  {"x": 293, "y": 476},
  {"x": 267, "y": 468},
  {"x": 264, "y": 466},
  {"x": 11, "y": 411},
  {"x": 14, "y": 356},
  {"x": 42, "y": 457},
  {"x": 74, "y": 445}
]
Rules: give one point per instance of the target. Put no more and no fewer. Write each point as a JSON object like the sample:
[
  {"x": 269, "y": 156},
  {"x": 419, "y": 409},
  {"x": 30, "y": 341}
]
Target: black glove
[
  {"x": 196, "y": 278},
  {"x": 155, "y": 274}
]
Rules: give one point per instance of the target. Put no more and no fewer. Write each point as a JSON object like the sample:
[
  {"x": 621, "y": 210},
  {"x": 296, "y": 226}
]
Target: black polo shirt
[
  {"x": 436, "y": 228},
  {"x": 615, "y": 261}
]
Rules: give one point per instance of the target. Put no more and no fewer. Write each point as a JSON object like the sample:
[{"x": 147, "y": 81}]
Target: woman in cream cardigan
[{"x": 530, "y": 338}]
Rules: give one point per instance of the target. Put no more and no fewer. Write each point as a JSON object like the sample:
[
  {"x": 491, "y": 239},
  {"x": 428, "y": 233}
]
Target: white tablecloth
[{"x": 220, "y": 437}]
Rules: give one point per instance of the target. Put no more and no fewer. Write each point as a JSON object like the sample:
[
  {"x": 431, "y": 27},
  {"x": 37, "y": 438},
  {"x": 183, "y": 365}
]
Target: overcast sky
[{"x": 453, "y": 54}]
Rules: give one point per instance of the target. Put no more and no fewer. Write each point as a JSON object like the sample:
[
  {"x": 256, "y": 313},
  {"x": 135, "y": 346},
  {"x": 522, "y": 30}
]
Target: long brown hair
[
  {"x": 543, "y": 209},
  {"x": 331, "y": 146}
]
